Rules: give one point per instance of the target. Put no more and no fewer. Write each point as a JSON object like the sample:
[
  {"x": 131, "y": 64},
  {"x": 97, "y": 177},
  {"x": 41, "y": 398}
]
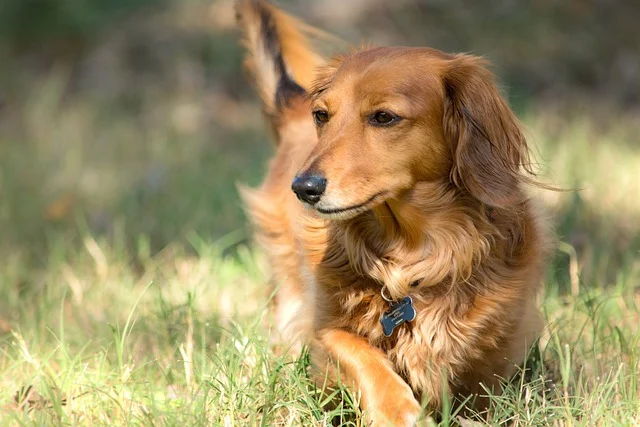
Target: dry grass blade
[{"x": 28, "y": 397}]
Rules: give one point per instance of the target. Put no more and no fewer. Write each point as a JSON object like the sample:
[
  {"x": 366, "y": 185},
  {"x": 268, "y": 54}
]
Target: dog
[{"x": 405, "y": 251}]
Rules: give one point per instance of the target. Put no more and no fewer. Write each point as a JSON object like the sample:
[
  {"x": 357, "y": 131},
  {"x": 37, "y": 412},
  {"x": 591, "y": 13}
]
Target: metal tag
[{"x": 398, "y": 313}]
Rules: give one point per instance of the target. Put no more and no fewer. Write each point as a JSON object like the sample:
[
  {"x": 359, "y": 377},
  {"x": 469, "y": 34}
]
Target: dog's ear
[
  {"x": 488, "y": 146},
  {"x": 279, "y": 58}
]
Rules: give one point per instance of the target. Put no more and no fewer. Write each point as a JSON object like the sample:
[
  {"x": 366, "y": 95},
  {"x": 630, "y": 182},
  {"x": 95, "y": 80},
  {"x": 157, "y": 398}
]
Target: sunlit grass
[
  {"x": 182, "y": 338},
  {"x": 130, "y": 294}
]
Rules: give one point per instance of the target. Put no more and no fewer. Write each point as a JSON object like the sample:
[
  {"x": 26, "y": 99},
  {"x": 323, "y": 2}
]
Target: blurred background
[{"x": 131, "y": 120}]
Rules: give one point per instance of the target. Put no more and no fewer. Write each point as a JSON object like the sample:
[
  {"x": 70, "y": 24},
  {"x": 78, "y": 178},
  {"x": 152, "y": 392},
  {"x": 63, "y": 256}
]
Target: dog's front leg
[{"x": 386, "y": 397}]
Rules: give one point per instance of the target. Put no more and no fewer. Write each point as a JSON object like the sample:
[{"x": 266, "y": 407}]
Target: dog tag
[{"x": 398, "y": 313}]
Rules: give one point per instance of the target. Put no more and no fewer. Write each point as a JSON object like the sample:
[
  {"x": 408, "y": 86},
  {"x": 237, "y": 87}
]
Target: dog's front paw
[{"x": 394, "y": 408}]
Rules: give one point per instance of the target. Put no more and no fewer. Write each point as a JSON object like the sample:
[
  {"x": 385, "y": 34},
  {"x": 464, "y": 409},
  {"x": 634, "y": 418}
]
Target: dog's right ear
[{"x": 279, "y": 57}]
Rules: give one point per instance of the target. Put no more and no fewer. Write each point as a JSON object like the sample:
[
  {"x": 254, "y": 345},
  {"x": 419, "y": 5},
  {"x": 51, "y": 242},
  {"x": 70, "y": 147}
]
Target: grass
[
  {"x": 131, "y": 293},
  {"x": 183, "y": 339},
  {"x": 100, "y": 329}
]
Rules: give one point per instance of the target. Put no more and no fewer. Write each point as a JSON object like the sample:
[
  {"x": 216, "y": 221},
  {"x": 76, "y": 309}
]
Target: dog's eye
[
  {"x": 320, "y": 117},
  {"x": 383, "y": 118}
]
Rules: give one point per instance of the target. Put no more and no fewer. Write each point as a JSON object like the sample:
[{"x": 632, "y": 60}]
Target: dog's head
[{"x": 388, "y": 118}]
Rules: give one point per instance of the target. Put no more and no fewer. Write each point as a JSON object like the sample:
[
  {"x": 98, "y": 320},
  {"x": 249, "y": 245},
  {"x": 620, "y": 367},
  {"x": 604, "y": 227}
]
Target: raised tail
[{"x": 279, "y": 56}]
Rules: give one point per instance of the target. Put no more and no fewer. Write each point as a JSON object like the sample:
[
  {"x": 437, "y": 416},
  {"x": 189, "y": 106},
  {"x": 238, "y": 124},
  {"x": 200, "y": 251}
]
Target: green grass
[
  {"x": 183, "y": 339},
  {"x": 130, "y": 292},
  {"x": 108, "y": 330}
]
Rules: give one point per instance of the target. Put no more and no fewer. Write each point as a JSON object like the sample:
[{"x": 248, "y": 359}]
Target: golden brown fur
[{"x": 430, "y": 207}]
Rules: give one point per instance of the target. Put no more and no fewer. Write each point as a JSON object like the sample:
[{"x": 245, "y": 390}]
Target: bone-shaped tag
[{"x": 398, "y": 313}]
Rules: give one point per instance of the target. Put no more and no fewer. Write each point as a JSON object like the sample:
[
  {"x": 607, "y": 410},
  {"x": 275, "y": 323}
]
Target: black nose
[{"x": 309, "y": 188}]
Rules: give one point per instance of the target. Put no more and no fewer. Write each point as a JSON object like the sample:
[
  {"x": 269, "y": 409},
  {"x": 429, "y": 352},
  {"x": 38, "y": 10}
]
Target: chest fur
[{"x": 451, "y": 330}]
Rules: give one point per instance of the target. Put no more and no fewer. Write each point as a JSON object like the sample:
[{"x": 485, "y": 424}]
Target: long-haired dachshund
[{"x": 403, "y": 247}]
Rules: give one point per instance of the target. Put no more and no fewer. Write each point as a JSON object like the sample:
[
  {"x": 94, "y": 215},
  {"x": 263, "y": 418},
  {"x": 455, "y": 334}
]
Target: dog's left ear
[{"x": 488, "y": 145}]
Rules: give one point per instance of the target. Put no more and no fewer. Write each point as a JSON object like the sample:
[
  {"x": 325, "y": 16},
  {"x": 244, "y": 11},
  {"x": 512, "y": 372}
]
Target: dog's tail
[{"x": 279, "y": 56}]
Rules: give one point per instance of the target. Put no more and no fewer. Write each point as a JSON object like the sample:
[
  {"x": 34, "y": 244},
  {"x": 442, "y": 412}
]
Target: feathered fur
[{"x": 431, "y": 207}]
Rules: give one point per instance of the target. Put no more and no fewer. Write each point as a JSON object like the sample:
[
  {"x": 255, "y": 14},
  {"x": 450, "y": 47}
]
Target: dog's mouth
[{"x": 350, "y": 211}]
